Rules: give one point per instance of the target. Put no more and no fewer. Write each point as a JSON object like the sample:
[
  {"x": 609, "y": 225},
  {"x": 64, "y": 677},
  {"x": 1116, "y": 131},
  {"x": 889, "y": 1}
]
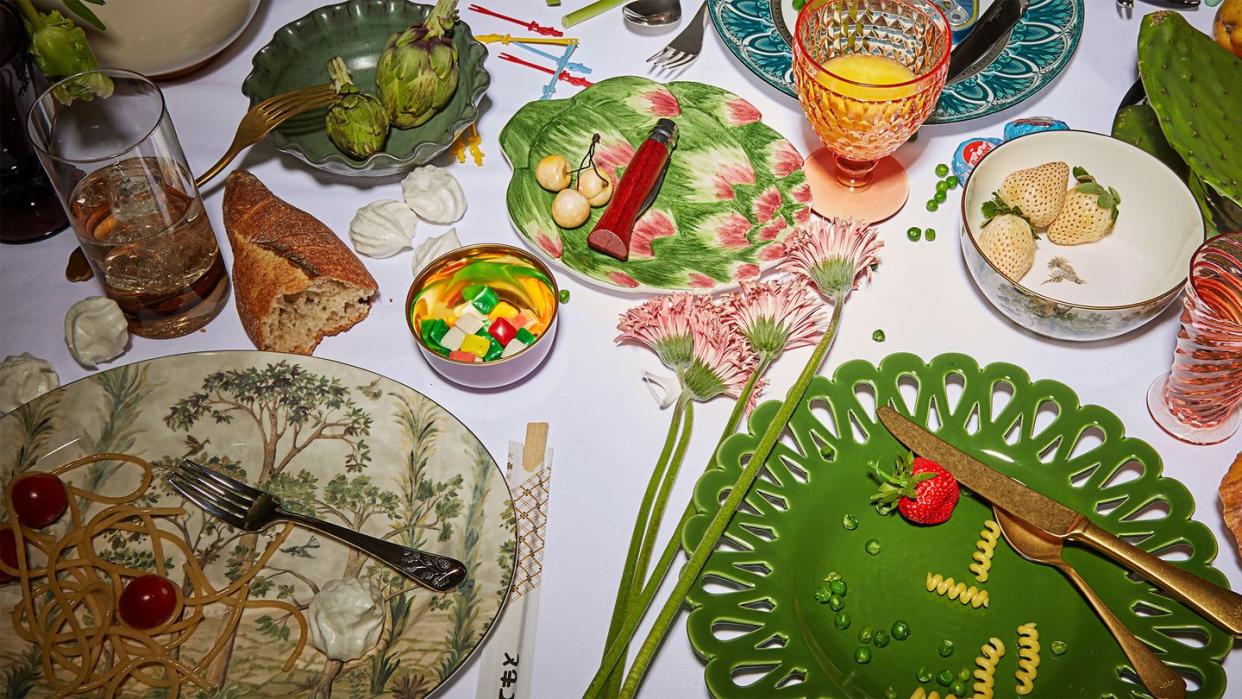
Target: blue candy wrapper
[
  {"x": 969, "y": 153},
  {"x": 1022, "y": 127}
]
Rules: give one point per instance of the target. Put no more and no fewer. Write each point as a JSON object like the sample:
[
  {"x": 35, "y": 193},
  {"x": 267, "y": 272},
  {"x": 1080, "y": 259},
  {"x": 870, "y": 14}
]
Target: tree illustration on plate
[{"x": 286, "y": 410}]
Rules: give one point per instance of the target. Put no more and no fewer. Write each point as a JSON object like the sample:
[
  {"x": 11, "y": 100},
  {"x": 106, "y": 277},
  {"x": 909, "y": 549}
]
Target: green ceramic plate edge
[
  {"x": 1047, "y": 458},
  {"x": 303, "y": 136}
]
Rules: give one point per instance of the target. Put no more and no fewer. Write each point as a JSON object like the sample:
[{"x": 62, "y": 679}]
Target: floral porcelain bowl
[{"x": 1095, "y": 290}]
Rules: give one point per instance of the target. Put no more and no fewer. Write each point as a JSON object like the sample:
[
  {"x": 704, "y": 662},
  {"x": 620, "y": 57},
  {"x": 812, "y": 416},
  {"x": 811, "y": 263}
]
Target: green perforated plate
[{"x": 754, "y": 616}]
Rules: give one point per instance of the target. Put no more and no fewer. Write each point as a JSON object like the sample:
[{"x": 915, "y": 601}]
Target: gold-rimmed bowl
[
  {"x": 1126, "y": 279},
  {"x": 499, "y": 372}
]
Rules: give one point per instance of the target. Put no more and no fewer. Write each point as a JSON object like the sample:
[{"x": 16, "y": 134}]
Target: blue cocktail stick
[
  {"x": 550, "y": 88},
  {"x": 574, "y": 65}
]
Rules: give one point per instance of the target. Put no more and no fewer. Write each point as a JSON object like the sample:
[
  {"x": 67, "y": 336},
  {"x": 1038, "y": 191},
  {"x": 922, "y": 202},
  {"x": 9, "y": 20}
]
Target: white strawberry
[
  {"x": 1089, "y": 213},
  {"x": 1036, "y": 194},
  {"x": 1008, "y": 242}
]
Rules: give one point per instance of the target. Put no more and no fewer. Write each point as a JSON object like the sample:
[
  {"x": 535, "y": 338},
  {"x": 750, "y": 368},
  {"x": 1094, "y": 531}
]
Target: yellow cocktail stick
[{"x": 508, "y": 38}]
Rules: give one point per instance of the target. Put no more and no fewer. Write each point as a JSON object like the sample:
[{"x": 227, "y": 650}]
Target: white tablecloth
[{"x": 605, "y": 428}]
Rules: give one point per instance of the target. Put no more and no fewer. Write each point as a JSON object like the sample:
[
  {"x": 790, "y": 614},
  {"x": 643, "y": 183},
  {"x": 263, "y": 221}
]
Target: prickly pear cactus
[
  {"x": 1139, "y": 126},
  {"x": 1195, "y": 88}
]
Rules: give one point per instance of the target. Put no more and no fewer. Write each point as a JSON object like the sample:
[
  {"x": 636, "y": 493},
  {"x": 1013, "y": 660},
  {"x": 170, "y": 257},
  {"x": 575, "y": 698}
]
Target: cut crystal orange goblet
[{"x": 869, "y": 73}]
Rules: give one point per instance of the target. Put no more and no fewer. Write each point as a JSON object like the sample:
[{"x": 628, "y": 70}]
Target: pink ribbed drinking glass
[{"x": 1198, "y": 401}]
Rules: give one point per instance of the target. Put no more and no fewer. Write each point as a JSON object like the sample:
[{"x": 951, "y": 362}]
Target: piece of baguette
[
  {"x": 1231, "y": 501},
  {"x": 294, "y": 280}
]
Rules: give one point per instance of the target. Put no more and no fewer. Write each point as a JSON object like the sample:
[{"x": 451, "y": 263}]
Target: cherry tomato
[
  {"x": 39, "y": 499},
  {"x": 8, "y": 553},
  {"x": 147, "y": 601}
]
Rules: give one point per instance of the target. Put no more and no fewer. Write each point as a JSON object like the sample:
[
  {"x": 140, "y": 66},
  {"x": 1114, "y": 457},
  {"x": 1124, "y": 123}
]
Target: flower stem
[
  {"x": 31, "y": 15},
  {"x": 698, "y": 557},
  {"x": 640, "y": 523}
]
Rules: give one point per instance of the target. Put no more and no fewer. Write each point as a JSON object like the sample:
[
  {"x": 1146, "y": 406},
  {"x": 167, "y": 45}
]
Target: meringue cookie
[
  {"x": 346, "y": 618},
  {"x": 95, "y": 330},
  {"x": 434, "y": 247},
  {"x": 24, "y": 377},
  {"x": 434, "y": 194},
  {"x": 382, "y": 228}
]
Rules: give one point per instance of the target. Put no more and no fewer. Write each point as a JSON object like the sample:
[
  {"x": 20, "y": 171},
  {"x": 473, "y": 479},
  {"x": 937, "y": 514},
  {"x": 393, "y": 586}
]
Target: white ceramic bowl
[
  {"x": 161, "y": 38},
  {"x": 1129, "y": 277},
  {"x": 499, "y": 372}
]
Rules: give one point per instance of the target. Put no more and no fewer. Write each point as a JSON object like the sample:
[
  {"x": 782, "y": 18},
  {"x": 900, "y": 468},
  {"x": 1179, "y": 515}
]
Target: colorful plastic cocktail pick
[
  {"x": 550, "y": 88},
  {"x": 563, "y": 77},
  {"x": 510, "y": 39},
  {"x": 532, "y": 26}
]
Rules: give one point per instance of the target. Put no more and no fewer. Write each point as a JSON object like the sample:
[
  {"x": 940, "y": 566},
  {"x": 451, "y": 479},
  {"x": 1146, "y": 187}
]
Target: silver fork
[
  {"x": 247, "y": 508},
  {"x": 686, "y": 46}
]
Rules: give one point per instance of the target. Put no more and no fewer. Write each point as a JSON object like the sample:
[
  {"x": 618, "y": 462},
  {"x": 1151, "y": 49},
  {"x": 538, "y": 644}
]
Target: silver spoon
[{"x": 652, "y": 13}]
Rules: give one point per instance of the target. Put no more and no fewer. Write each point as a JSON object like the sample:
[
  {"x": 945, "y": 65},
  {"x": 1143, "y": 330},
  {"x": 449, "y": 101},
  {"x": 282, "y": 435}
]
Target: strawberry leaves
[
  {"x": 997, "y": 207},
  {"x": 902, "y": 483},
  {"x": 1106, "y": 198}
]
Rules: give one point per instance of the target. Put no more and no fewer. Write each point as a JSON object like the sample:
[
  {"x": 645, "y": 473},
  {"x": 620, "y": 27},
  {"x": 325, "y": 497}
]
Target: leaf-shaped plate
[
  {"x": 755, "y": 618},
  {"x": 733, "y": 190}
]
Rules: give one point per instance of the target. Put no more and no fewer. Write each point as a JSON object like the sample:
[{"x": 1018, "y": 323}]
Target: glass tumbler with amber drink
[
  {"x": 869, "y": 73},
  {"x": 108, "y": 144}
]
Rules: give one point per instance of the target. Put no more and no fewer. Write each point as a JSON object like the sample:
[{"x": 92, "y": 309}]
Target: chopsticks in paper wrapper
[{"x": 506, "y": 664}]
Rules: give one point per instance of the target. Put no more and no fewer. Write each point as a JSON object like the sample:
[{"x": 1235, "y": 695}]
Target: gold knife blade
[{"x": 999, "y": 489}]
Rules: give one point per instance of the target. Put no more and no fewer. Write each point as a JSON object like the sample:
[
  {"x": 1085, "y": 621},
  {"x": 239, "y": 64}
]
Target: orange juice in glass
[{"x": 868, "y": 73}]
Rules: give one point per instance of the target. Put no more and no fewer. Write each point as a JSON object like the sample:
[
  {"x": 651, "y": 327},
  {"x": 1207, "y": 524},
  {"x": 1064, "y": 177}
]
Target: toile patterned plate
[
  {"x": 368, "y": 449},
  {"x": 760, "y": 34},
  {"x": 763, "y": 634},
  {"x": 733, "y": 190}
]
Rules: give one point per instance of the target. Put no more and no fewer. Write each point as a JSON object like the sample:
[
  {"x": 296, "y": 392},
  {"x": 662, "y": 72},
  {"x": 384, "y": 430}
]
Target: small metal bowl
[{"x": 499, "y": 372}]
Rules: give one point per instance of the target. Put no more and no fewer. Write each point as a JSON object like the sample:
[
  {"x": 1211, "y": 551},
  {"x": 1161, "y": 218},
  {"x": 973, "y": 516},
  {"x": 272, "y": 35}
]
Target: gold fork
[{"x": 257, "y": 123}]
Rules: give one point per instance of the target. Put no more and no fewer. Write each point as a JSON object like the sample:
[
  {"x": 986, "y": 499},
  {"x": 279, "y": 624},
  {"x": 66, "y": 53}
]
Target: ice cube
[{"x": 137, "y": 203}]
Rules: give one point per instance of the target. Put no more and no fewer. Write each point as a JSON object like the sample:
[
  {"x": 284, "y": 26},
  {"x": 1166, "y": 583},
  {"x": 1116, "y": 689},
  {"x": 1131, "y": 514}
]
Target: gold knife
[{"x": 1217, "y": 604}]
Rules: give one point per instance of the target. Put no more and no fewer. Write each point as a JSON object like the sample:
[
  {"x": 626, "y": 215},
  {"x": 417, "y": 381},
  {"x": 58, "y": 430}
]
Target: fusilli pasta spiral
[
  {"x": 948, "y": 587},
  {"x": 920, "y": 693},
  {"x": 989, "y": 654},
  {"x": 984, "y": 549},
  {"x": 1028, "y": 658}
]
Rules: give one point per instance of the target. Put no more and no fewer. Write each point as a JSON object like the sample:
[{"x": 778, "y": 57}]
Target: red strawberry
[{"x": 919, "y": 488}]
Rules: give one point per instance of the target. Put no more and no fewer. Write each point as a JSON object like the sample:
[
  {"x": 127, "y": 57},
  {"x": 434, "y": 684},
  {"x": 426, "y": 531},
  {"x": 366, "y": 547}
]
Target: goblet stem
[{"x": 855, "y": 174}]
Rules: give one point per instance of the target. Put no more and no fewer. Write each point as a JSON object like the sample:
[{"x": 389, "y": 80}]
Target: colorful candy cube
[
  {"x": 537, "y": 328},
  {"x": 494, "y": 350},
  {"x": 452, "y": 339},
  {"x": 522, "y": 320},
  {"x": 485, "y": 300},
  {"x": 466, "y": 309},
  {"x": 525, "y": 336},
  {"x": 460, "y": 356},
  {"x": 515, "y": 345},
  {"x": 502, "y": 331},
  {"x": 475, "y": 345},
  {"x": 434, "y": 330},
  {"x": 469, "y": 323},
  {"x": 502, "y": 310}
]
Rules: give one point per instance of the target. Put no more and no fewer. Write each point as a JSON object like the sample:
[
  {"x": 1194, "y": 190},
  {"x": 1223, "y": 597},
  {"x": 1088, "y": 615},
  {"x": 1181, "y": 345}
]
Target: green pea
[
  {"x": 932, "y": 205},
  {"x": 901, "y": 630},
  {"x": 862, "y": 655},
  {"x": 914, "y": 233},
  {"x": 838, "y": 587},
  {"x": 924, "y": 675},
  {"x": 878, "y": 336},
  {"x": 1059, "y": 647},
  {"x": 842, "y": 621},
  {"x": 834, "y": 575},
  {"x": 849, "y": 522},
  {"x": 946, "y": 648},
  {"x": 880, "y": 639},
  {"x": 823, "y": 594},
  {"x": 952, "y": 181},
  {"x": 865, "y": 635},
  {"x": 929, "y": 234},
  {"x": 964, "y": 674},
  {"x": 942, "y": 170},
  {"x": 958, "y": 688},
  {"x": 944, "y": 678},
  {"x": 940, "y": 197},
  {"x": 942, "y": 186},
  {"x": 564, "y": 296},
  {"x": 836, "y": 603},
  {"x": 872, "y": 546}
]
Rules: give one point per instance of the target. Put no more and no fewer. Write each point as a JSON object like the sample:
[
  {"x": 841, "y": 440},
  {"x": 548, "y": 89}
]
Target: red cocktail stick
[
  {"x": 564, "y": 76},
  {"x": 532, "y": 26}
]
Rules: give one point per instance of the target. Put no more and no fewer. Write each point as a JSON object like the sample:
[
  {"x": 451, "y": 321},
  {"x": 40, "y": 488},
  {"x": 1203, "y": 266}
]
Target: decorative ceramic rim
[
  {"x": 500, "y": 609},
  {"x": 1031, "y": 292},
  {"x": 423, "y": 152},
  {"x": 421, "y": 278},
  {"x": 774, "y": 25}
]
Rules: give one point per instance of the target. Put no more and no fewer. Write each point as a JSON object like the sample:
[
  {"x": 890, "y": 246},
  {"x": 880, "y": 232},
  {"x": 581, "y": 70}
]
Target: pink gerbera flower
[
  {"x": 663, "y": 325},
  {"x": 775, "y": 315},
  {"x": 721, "y": 362},
  {"x": 835, "y": 254}
]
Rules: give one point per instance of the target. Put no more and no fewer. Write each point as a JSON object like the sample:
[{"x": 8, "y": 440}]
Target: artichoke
[
  {"x": 417, "y": 72},
  {"x": 357, "y": 123},
  {"x": 60, "y": 50}
]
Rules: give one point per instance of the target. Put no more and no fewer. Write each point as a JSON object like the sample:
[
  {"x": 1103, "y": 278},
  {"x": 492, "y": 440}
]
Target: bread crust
[{"x": 280, "y": 250}]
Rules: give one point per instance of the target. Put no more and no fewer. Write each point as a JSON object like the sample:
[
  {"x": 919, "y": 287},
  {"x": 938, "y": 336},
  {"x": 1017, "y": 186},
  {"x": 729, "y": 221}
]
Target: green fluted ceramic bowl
[{"x": 357, "y": 31}]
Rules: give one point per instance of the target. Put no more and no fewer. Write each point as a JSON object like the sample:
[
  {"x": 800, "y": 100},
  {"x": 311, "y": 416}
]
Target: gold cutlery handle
[
  {"x": 214, "y": 170},
  {"x": 1158, "y": 678},
  {"x": 1217, "y": 604}
]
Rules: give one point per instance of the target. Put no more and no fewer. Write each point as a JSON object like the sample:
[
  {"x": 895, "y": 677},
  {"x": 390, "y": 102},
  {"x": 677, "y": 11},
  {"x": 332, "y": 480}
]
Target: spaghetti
[{"x": 69, "y": 605}]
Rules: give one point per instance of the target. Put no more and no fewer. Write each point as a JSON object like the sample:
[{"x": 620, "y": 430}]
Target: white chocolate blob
[
  {"x": 382, "y": 228},
  {"x": 434, "y": 247},
  {"x": 95, "y": 330},
  {"x": 434, "y": 194},
  {"x": 345, "y": 619},
  {"x": 24, "y": 377}
]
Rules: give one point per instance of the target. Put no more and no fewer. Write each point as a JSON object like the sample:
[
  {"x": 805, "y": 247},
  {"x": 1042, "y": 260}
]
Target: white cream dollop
[
  {"x": 95, "y": 330},
  {"x": 434, "y": 194},
  {"x": 24, "y": 377},
  {"x": 382, "y": 228},
  {"x": 346, "y": 618},
  {"x": 434, "y": 247}
]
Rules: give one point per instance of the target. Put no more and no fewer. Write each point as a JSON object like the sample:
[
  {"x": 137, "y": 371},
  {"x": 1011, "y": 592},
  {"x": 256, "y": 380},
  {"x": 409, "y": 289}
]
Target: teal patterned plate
[
  {"x": 764, "y": 635},
  {"x": 759, "y": 33},
  {"x": 733, "y": 190},
  {"x": 340, "y": 442}
]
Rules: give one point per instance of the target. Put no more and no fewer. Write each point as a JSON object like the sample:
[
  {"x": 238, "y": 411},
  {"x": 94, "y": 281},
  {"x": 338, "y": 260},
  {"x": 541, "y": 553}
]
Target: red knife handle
[{"x": 612, "y": 232}]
